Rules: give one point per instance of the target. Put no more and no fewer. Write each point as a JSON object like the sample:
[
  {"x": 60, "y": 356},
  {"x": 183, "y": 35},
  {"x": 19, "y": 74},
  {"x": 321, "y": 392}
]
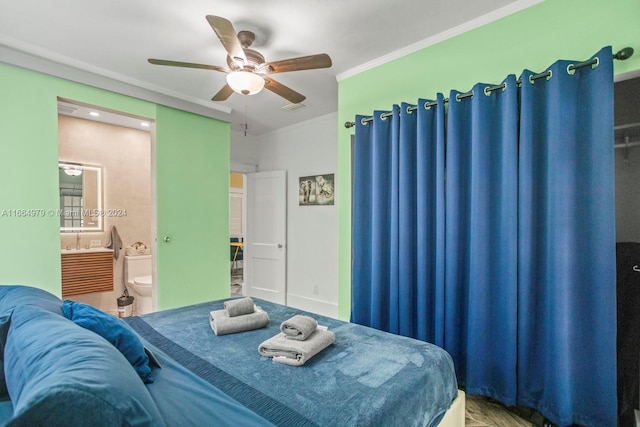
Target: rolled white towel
[
  {"x": 239, "y": 306},
  {"x": 299, "y": 327},
  {"x": 222, "y": 324}
]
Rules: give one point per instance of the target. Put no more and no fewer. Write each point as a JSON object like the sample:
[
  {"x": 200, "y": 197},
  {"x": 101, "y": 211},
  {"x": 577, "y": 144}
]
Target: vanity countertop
[{"x": 84, "y": 250}]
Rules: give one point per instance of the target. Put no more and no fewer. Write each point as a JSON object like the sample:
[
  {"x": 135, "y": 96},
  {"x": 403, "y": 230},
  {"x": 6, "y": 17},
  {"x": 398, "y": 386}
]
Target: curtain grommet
[
  {"x": 364, "y": 121},
  {"x": 571, "y": 68},
  {"x": 465, "y": 95},
  {"x": 489, "y": 89}
]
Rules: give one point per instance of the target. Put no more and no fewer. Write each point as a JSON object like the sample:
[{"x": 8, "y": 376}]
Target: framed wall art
[{"x": 316, "y": 190}]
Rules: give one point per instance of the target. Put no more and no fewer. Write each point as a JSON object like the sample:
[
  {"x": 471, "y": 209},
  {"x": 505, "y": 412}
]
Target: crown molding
[
  {"x": 440, "y": 37},
  {"x": 22, "y": 56}
]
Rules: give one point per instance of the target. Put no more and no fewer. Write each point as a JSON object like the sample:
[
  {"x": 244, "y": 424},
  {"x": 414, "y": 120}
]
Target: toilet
[{"x": 137, "y": 270}]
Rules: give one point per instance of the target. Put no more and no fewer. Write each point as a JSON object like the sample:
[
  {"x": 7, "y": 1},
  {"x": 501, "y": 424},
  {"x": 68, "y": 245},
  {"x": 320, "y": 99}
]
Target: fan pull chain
[{"x": 246, "y": 120}]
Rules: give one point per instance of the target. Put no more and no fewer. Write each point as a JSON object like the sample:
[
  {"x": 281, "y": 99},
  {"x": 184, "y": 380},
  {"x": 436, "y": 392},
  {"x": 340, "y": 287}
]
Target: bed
[
  {"x": 68, "y": 364},
  {"x": 366, "y": 378}
]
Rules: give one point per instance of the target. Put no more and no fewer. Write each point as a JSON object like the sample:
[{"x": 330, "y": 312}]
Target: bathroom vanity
[{"x": 86, "y": 271}]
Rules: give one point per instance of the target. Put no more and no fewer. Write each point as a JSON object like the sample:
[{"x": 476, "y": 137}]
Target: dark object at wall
[{"x": 628, "y": 304}]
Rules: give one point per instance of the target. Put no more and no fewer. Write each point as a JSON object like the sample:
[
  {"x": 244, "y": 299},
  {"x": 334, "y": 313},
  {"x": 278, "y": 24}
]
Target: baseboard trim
[{"x": 313, "y": 305}]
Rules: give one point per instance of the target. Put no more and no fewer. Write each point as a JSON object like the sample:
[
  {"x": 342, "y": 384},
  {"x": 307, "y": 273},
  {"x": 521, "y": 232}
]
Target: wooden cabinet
[{"x": 85, "y": 272}]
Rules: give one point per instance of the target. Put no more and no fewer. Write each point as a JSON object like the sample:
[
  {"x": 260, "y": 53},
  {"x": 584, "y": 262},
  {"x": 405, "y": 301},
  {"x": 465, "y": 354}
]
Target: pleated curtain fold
[{"x": 481, "y": 237}]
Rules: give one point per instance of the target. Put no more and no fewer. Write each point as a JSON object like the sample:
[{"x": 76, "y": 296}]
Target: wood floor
[{"x": 484, "y": 412}]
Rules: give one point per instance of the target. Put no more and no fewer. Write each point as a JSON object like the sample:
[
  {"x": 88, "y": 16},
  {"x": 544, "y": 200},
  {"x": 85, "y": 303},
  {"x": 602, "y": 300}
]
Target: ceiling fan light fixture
[
  {"x": 245, "y": 82},
  {"x": 247, "y": 69}
]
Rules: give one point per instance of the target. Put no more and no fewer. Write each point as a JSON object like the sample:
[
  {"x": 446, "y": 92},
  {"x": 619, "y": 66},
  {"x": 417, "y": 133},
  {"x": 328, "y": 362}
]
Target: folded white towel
[
  {"x": 293, "y": 352},
  {"x": 137, "y": 248},
  {"x": 222, "y": 324}
]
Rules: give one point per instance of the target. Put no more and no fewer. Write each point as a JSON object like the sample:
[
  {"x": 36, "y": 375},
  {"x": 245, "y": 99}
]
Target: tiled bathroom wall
[{"x": 125, "y": 156}]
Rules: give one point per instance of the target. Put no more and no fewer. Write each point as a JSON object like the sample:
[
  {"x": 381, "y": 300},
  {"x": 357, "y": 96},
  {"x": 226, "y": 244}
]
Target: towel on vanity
[
  {"x": 299, "y": 327},
  {"x": 222, "y": 324},
  {"x": 238, "y": 307},
  {"x": 115, "y": 242},
  {"x": 296, "y": 353}
]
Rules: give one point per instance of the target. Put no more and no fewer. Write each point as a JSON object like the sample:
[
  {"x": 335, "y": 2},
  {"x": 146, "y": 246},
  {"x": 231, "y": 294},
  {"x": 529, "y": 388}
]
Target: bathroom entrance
[{"x": 109, "y": 210}]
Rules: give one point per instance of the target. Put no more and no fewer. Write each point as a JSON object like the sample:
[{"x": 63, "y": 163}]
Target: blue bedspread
[{"x": 366, "y": 378}]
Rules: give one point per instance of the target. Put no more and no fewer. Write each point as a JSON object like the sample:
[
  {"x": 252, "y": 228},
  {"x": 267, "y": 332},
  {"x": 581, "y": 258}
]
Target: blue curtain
[
  {"x": 481, "y": 239},
  {"x": 398, "y": 268},
  {"x": 502, "y": 249},
  {"x": 372, "y": 227},
  {"x": 566, "y": 251},
  {"x": 428, "y": 235}
]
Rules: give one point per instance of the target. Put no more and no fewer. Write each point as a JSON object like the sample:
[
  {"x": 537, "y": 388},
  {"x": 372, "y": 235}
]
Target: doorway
[
  {"x": 236, "y": 232},
  {"x": 120, "y": 146},
  {"x": 627, "y": 170}
]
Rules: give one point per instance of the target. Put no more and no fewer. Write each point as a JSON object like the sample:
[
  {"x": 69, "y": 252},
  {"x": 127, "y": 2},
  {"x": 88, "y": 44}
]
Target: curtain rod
[{"x": 621, "y": 55}]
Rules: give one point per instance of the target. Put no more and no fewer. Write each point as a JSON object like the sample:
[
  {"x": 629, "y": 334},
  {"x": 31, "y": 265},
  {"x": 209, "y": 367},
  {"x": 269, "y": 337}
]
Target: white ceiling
[{"x": 114, "y": 38}]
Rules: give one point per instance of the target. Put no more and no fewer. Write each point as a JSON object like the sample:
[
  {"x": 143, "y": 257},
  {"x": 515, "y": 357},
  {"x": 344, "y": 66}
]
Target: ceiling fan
[{"x": 247, "y": 71}]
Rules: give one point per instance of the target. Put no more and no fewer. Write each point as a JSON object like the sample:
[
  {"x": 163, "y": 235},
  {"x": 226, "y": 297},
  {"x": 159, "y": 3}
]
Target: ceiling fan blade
[
  {"x": 310, "y": 62},
  {"x": 227, "y": 35},
  {"x": 188, "y": 65},
  {"x": 223, "y": 94},
  {"x": 285, "y": 92}
]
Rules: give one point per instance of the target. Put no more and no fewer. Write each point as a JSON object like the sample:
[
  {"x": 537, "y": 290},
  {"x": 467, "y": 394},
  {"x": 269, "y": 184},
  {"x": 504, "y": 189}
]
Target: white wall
[
  {"x": 306, "y": 149},
  {"x": 243, "y": 150}
]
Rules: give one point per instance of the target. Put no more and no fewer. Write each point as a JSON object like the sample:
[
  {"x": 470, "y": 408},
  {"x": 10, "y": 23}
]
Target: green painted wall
[
  {"x": 193, "y": 208},
  {"x": 531, "y": 39},
  {"x": 30, "y": 245}
]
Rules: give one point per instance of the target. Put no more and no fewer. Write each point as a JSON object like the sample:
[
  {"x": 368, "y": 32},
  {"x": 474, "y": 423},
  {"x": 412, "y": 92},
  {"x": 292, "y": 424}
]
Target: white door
[{"x": 265, "y": 251}]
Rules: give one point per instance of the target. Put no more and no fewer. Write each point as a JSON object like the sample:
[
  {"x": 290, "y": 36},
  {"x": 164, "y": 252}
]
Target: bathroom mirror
[{"x": 80, "y": 197}]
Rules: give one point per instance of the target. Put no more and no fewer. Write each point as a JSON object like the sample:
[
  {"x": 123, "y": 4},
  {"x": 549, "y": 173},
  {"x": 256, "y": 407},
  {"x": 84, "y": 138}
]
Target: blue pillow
[
  {"x": 12, "y": 296},
  {"x": 113, "y": 330},
  {"x": 59, "y": 374}
]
